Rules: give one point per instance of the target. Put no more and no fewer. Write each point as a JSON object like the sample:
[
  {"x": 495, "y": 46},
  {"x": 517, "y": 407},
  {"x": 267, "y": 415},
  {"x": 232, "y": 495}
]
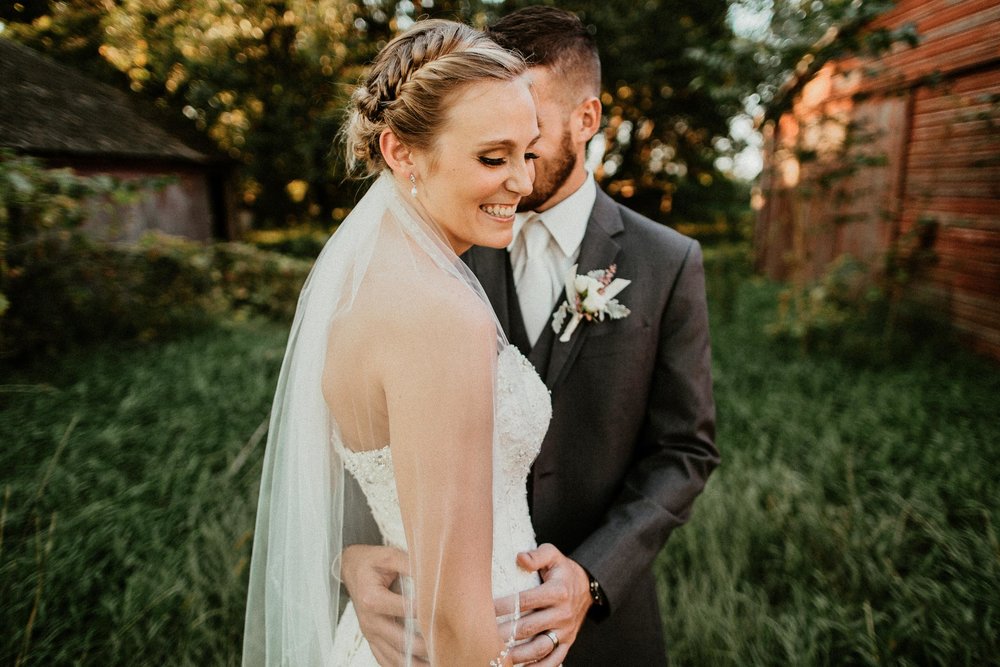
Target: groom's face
[{"x": 557, "y": 155}]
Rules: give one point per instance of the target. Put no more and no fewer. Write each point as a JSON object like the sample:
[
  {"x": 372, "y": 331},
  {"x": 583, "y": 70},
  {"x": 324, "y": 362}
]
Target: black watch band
[{"x": 596, "y": 594}]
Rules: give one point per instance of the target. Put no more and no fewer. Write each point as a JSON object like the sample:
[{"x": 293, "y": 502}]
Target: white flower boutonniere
[{"x": 589, "y": 297}]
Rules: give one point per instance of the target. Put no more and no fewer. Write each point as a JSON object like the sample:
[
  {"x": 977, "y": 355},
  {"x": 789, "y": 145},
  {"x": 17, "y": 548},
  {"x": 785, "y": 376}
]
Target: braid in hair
[{"x": 410, "y": 82}]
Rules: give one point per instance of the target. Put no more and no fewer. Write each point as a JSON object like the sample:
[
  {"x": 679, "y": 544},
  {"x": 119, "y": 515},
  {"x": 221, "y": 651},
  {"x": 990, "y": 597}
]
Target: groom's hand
[
  {"x": 368, "y": 572},
  {"x": 558, "y": 605}
]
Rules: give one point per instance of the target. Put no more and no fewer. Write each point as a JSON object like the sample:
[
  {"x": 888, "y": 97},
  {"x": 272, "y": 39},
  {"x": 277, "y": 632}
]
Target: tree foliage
[
  {"x": 665, "y": 110},
  {"x": 786, "y": 41},
  {"x": 266, "y": 81}
]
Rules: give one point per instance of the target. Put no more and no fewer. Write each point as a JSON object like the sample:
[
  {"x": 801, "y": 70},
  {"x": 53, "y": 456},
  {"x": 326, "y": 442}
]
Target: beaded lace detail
[{"x": 523, "y": 410}]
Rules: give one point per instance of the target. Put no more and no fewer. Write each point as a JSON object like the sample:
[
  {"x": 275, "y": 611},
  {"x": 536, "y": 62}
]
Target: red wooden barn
[{"x": 875, "y": 150}]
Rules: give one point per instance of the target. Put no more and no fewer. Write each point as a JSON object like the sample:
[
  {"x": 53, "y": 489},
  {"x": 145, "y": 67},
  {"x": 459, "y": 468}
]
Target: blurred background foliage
[
  {"x": 61, "y": 287},
  {"x": 266, "y": 81},
  {"x": 853, "y": 523}
]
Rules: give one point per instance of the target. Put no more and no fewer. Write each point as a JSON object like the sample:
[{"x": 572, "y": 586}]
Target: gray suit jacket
[{"x": 631, "y": 443}]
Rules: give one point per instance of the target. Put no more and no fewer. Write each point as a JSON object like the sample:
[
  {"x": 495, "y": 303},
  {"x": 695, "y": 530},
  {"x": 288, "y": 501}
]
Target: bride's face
[{"x": 481, "y": 164}]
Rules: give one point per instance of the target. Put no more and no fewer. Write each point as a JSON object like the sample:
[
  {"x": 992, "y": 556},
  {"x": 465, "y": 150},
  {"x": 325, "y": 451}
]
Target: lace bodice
[{"x": 523, "y": 410}]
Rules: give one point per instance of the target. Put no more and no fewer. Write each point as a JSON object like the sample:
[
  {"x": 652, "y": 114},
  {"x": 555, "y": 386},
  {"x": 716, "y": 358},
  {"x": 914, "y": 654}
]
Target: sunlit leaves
[
  {"x": 780, "y": 39},
  {"x": 238, "y": 70},
  {"x": 663, "y": 108},
  {"x": 267, "y": 80}
]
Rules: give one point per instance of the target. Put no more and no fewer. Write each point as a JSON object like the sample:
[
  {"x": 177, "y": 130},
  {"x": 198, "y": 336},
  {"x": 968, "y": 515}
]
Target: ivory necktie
[{"x": 534, "y": 278}]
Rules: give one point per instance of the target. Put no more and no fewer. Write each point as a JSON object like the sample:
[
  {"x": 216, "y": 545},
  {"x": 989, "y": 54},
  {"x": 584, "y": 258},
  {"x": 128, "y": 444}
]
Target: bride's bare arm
[{"x": 438, "y": 377}]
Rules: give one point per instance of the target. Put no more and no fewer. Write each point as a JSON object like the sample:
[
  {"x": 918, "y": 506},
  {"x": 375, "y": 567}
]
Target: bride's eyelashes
[{"x": 500, "y": 161}]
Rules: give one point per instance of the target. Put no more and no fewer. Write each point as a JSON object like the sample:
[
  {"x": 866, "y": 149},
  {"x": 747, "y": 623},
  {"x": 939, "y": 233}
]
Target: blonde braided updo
[{"x": 411, "y": 82}]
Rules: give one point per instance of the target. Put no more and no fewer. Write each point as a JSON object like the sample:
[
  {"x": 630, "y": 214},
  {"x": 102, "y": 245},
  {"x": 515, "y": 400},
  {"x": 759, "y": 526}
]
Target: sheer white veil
[{"x": 294, "y": 592}]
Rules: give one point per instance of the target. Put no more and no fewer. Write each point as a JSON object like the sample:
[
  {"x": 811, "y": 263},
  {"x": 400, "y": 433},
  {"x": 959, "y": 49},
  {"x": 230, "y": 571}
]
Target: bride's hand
[
  {"x": 557, "y": 606},
  {"x": 368, "y": 573}
]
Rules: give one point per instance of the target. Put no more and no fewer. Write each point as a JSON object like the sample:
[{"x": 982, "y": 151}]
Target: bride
[{"x": 397, "y": 372}]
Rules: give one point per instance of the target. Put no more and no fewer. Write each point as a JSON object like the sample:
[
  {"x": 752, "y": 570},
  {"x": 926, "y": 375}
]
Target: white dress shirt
[{"x": 566, "y": 223}]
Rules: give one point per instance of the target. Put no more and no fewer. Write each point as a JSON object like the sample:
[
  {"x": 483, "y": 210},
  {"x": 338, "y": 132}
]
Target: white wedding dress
[
  {"x": 523, "y": 410},
  {"x": 385, "y": 280}
]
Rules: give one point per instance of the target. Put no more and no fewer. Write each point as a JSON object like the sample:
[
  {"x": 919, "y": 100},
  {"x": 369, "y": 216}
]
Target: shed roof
[{"x": 49, "y": 109}]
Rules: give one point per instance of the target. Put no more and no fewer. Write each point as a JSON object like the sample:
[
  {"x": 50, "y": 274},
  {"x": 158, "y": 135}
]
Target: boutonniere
[{"x": 589, "y": 297}]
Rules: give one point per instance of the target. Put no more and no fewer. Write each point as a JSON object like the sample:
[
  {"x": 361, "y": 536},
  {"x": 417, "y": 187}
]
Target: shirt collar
[{"x": 567, "y": 220}]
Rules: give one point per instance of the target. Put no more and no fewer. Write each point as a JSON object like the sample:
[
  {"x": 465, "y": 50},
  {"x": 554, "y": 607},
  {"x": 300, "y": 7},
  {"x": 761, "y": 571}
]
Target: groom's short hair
[{"x": 556, "y": 39}]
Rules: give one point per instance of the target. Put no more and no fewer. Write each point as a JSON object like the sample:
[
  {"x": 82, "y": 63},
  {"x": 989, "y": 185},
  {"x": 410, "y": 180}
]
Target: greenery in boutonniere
[{"x": 589, "y": 296}]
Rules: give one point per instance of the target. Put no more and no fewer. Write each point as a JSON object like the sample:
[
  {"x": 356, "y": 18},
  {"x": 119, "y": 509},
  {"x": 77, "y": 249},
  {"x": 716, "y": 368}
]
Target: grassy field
[
  {"x": 854, "y": 518},
  {"x": 129, "y": 483},
  {"x": 853, "y": 521}
]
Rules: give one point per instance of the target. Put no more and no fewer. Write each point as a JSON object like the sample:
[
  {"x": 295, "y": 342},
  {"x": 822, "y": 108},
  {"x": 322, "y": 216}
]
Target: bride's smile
[
  {"x": 505, "y": 212},
  {"x": 481, "y": 165}
]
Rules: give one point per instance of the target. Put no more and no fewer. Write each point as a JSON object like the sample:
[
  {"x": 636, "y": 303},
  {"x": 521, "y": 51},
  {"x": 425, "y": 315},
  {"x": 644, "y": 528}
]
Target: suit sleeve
[
  {"x": 362, "y": 529},
  {"x": 676, "y": 451}
]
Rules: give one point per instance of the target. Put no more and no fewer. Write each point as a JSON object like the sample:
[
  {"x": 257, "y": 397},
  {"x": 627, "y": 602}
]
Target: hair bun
[
  {"x": 366, "y": 103},
  {"x": 409, "y": 83}
]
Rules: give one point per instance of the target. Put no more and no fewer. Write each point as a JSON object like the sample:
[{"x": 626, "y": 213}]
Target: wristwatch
[{"x": 596, "y": 594}]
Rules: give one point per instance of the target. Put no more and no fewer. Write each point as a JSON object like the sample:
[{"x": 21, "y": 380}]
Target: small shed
[
  {"x": 876, "y": 152},
  {"x": 52, "y": 112}
]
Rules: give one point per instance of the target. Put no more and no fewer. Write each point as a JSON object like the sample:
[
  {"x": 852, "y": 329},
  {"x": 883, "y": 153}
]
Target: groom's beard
[{"x": 551, "y": 179}]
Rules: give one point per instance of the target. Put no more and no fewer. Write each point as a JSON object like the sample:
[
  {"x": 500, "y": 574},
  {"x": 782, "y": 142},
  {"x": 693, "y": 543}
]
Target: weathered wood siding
[
  {"x": 51, "y": 111},
  {"x": 181, "y": 207},
  {"x": 928, "y": 118},
  {"x": 953, "y": 178}
]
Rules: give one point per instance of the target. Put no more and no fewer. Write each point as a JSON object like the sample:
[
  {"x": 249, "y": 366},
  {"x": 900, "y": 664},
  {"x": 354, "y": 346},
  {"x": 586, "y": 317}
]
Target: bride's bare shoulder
[
  {"x": 445, "y": 307},
  {"x": 413, "y": 296}
]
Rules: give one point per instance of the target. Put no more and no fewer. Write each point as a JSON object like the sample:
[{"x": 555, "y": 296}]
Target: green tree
[
  {"x": 266, "y": 81},
  {"x": 782, "y": 43},
  {"x": 665, "y": 108}
]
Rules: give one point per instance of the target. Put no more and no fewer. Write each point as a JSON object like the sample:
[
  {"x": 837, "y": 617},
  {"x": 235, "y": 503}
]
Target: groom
[{"x": 630, "y": 445}]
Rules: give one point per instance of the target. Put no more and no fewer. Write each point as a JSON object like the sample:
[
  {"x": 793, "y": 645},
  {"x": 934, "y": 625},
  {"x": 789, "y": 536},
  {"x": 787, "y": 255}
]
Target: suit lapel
[
  {"x": 598, "y": 250},
  {"x": 516, "y": 333},
  {"x": 541, "y": 351},
  {"x": 490, "y": 266}
]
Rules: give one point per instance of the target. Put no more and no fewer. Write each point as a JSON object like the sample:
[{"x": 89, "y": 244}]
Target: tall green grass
[
  {"x": 129, "y": 482},
  {"x": 853, "y": 520}
]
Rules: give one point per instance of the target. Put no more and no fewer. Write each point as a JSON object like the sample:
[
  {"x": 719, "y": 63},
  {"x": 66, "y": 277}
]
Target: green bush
[
  {"x": 74, "y": 290},
  {"x": 867, "y": 312},
  {"x": 858, "y": 314},
  {"x": 815, "y": 315},
  {"x": 40, "y": 207},
  {"x": 60, "y": 287},
  {"x": 303, "y": 242},
  {"x": 259, "y": 282},
  {"x": 727, "y": 266}
]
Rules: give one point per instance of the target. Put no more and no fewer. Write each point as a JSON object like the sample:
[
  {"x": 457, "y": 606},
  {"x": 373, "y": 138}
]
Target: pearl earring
[{"x": 413, "y": 181}]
